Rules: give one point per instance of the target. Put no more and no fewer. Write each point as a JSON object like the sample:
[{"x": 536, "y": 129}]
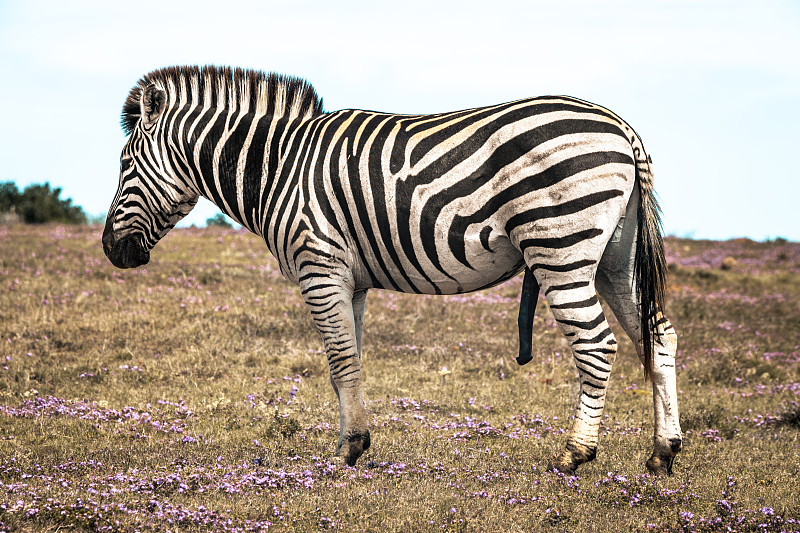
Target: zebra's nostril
[
  {"x": 108, "y": 241},
  {"x": 108, "y": 236}
]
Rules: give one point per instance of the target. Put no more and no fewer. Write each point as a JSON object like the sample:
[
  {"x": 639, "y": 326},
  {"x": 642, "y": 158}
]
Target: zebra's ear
[{"x": 152, "y": 104}]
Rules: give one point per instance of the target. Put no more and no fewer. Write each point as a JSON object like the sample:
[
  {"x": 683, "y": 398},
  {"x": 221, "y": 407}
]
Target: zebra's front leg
[
  {"x": 576, "y": 309},
  {"x": 359, "y": 302},
  {"x": 335, "y": 310}
]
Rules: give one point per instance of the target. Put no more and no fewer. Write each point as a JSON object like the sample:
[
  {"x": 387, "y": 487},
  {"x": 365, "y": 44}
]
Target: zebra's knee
[{"x": 598, "y": 350}]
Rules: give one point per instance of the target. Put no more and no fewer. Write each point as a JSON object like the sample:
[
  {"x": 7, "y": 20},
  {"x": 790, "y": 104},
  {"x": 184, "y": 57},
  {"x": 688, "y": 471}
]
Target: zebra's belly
[
  {"x": 489, "y": 268},
  {"x": 495, "y": 274},
  {"x": 490, "y": 263}
]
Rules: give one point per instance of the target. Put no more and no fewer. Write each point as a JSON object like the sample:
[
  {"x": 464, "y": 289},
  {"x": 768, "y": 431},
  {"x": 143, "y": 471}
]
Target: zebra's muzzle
[{"x": 126, "y": 252}]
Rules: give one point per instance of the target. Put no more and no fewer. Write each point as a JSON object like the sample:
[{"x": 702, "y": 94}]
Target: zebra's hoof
[
  {"x": 353, "y": 446},
  {"x": 571, "y": 458},
  {"x": 557, "y": 467},
  {"x": 564, "y": 463},
  {"x": 660, "y": 465}
]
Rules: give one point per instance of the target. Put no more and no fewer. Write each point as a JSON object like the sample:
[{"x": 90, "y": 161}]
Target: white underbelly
[{"x": 487, "y": 267}]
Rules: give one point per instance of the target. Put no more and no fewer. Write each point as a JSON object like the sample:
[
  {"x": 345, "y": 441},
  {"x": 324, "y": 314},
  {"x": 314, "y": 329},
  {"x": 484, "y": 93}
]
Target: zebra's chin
[{"x": 127, "y": 252}]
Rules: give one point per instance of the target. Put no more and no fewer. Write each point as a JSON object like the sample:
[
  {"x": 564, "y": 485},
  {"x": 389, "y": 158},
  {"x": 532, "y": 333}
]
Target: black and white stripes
[{"x": 439, "y": 204}]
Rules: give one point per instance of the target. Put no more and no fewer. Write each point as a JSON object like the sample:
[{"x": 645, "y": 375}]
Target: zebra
[{"x": 352, "y": 200}]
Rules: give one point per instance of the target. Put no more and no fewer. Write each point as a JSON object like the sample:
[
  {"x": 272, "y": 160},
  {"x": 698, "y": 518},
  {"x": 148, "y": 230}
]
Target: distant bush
[
  {"x": 219, "y": 221},
  {"x": 37, "y": 204}
]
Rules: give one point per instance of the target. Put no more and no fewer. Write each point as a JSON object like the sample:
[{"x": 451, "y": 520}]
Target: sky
[{"x": 711, "y": 86}]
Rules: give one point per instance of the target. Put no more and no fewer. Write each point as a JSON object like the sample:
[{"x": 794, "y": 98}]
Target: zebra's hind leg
[
  {"x": 338, "y": 314},
  {"x": 577, "y": 311},
  {"x": 615, "y": 284}
]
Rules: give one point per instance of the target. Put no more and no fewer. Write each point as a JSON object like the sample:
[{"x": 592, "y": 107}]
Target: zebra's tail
[{"x": 650, "y": 262}]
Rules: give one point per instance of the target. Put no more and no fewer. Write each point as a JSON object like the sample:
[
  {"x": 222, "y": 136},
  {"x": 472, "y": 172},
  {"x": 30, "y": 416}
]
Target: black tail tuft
[{"x": 651, "y": 264}]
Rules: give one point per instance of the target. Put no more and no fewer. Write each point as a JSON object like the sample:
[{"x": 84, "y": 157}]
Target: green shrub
[
  {"x": 218, "y": 221},
  {"x": 39, "y": 204}
]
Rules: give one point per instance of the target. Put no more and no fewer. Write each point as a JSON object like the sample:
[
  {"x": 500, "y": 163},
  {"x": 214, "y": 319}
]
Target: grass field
[{"x": 192, "y": 394}]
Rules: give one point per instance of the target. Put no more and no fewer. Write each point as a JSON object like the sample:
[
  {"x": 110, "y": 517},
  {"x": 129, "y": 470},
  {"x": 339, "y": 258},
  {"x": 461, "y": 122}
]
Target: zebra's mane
[{"x": 262, "y": 93}]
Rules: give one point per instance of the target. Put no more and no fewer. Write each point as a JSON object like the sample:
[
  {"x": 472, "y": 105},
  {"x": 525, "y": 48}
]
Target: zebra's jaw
[{"x": 126, "y": 252}]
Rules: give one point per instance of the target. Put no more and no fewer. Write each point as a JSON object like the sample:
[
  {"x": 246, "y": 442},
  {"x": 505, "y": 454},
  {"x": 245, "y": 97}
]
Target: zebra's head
[{"x": 150, "y": 198}]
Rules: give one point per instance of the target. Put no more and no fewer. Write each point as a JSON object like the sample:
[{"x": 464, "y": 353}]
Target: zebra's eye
[{"x": 125, "y": 164}]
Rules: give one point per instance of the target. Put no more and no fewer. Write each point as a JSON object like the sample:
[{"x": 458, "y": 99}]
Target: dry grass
[{"x": 192, "y": 394}]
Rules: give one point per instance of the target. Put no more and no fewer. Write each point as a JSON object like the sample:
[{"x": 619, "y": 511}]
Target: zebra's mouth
[{"x": 126, "y": 252}]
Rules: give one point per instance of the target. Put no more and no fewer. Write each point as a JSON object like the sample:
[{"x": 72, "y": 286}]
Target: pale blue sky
[{"x": 712, "y": 86}]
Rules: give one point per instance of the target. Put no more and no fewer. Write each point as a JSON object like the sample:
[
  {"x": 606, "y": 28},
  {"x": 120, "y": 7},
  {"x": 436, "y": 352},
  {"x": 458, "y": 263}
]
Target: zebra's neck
[
  {"x": 235, "y": 160},
  {"x": 224, "y": 130}
]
